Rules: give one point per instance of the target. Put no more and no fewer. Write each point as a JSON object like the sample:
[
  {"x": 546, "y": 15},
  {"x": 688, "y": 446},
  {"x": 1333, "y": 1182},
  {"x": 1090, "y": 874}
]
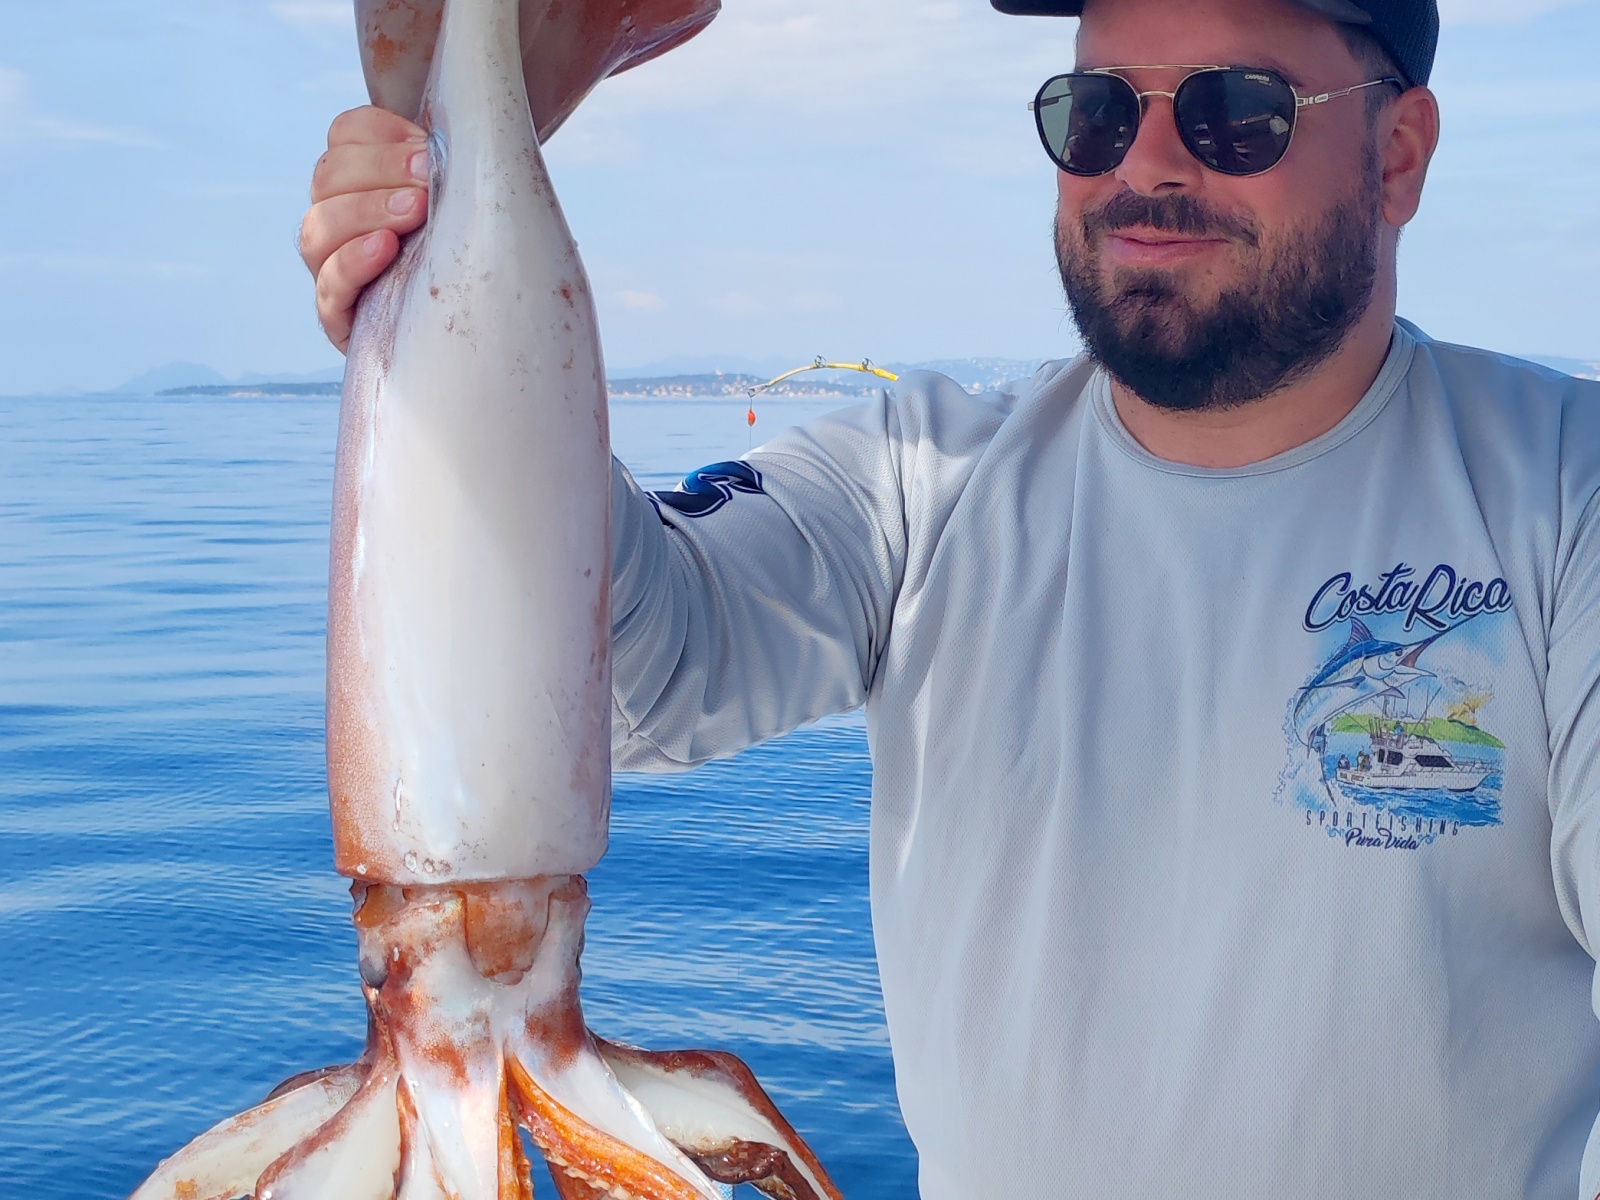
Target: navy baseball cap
[{"x": 1407, "y": 29}]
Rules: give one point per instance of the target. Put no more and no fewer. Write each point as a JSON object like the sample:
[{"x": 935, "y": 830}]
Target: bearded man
[{"x": 1233, "y": 689}]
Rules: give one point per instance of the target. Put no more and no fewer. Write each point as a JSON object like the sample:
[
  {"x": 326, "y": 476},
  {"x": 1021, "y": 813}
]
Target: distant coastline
[
  {"x": 974, "y": 374},
  {"x": 671, "y": 387},
  {"x": 685, "y": 387},
  {"x": 255, "y": 389}
]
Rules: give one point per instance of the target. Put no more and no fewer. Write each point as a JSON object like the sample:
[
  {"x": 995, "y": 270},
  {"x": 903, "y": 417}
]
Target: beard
[{"x": 1298, "y": 305}]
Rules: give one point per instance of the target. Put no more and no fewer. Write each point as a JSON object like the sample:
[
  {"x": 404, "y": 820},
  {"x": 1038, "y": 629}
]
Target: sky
[{"x": 840, "y": 177}]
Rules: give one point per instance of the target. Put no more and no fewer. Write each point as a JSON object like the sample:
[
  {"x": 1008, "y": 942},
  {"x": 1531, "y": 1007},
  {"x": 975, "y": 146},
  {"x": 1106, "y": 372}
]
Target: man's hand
[{"x": 368, "y": 189}]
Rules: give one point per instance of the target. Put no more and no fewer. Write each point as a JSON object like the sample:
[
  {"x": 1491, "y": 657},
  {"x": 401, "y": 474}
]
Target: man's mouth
[{"x": 1145, "y": 247}]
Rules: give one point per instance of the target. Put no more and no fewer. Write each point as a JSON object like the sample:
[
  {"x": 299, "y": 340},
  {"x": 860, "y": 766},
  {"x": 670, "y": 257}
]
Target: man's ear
[{"x": 1408, "y": 134}]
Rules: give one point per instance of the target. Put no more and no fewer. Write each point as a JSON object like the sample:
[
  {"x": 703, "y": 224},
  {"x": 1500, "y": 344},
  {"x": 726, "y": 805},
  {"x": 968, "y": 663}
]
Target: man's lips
[{"x": 1156, "y": 247}]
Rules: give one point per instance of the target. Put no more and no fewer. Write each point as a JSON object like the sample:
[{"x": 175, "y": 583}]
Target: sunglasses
[{"x": 1235, "y": 120}]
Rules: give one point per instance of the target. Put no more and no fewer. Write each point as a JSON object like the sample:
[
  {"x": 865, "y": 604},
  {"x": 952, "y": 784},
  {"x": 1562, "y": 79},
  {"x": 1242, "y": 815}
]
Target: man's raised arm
[{"x": 758, "y": 595}]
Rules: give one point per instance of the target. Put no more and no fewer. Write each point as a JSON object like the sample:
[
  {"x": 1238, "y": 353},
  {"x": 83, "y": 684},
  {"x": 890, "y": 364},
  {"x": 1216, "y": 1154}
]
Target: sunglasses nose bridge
[{"x": 1170, "y": 160}]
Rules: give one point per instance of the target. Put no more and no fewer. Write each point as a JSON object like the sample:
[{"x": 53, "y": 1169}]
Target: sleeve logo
[{"x": 705, "y": 491}]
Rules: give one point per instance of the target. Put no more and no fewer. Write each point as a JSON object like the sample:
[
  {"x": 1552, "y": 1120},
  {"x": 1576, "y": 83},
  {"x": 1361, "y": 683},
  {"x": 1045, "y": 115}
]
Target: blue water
[{"x": 173, "y": 941}]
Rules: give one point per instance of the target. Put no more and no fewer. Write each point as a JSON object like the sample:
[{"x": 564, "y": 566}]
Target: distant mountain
[
  {"x": 178, "y": 377},
  {"x": 705, "y": 364},
  {"x": 171, "y": 375},
  {"x": 334, "y": 374}
]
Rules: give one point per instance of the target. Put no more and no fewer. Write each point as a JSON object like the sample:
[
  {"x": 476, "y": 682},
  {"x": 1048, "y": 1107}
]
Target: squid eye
[{"x": 374, "y": 971}]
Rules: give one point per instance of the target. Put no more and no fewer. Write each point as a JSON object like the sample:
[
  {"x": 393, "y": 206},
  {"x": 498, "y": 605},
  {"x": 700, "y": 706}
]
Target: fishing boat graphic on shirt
[
  {"x": 1401, "y": 759},
  {"x": 1386, "y": 742}
]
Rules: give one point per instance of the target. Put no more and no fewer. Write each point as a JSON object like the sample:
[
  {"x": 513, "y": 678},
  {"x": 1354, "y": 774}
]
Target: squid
[{"x": 468, "y": 688}]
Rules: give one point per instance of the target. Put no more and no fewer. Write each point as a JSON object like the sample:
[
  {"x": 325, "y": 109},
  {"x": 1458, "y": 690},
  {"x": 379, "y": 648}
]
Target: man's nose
[{"x": 1158, "y": 161}]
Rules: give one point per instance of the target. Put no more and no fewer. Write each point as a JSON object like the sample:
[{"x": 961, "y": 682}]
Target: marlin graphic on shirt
[{"x": 1364, "y": 669}]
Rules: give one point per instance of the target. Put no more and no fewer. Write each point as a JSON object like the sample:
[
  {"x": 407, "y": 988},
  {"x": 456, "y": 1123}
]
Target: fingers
[
  {"x": 368, "y": 190},
  {"x": 371, "y": 125},
  {"x": 347, "y": 270},
  {"x": 362, "y": 167},
  {"x": 341, "y": 219}
]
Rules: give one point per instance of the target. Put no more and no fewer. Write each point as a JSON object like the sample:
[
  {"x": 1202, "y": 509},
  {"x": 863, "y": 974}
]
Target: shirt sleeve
[
  {"x": 757, "y": 597},
  {"x": 1572, "y": 709}
]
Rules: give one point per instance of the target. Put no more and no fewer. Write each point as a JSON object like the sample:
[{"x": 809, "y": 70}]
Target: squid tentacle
[
  {"x": 710, "y": 1105},
  {"x": 476, "y": 1029},
  {"x": 516, "y": 1179},
  {"x": 225, "y": 1161},
  {"x": 417, "y": 1177},
  {"x": 355, "y": 1155},
  {"x": 469, "y": 683},
  {"x": 591, "y": 1157}
]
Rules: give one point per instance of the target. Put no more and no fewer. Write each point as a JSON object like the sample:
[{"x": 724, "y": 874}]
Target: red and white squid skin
[{"x": 469, "y": 684}]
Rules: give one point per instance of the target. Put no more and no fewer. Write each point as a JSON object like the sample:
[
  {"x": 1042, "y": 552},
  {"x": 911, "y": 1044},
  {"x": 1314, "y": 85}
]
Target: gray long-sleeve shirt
[{"x": 1234, "y": 831}]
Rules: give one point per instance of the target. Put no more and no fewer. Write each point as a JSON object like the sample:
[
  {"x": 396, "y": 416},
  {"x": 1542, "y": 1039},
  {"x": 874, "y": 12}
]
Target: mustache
[{"x": 1175, "y": 213}]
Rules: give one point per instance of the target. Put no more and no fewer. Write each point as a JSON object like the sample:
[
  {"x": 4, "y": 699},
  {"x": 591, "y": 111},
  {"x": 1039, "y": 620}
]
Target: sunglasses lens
[
  {"x": 1238, "y": 122},
  {"x": 1087, "y": 122}
]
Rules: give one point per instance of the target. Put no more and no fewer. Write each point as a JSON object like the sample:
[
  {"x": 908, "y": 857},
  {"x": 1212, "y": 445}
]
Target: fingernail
[
  {"x": 402, "y": 202},
  {"x": 372, "y": 244},
  {"x": 419, "y": 166}
]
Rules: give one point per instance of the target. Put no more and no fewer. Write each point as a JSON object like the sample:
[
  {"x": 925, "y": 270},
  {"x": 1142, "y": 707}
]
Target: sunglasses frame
[{"x": 1037, "y": 105}]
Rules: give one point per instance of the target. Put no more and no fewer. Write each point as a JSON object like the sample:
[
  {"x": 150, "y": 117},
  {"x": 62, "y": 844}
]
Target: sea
[{"x": 173, "y": 939}]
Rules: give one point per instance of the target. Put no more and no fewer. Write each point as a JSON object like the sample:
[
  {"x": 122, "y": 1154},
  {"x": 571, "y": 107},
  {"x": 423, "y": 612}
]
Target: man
[{"x": 1143, "y": 930}]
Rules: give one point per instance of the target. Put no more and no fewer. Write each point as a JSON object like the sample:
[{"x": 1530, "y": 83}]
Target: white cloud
[
  {"x": 645, "y": 301},
  {"x": 827, "y": 55},
  {"x": 20, "y": 121},
  {"x": 863, "y": 55},
  {"x": 1500, "y": 12}
]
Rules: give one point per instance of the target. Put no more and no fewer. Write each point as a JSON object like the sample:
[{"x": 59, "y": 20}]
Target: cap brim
[
  {"x": 1040, "y": 8},
  {"x": 1339, "y": 10}
]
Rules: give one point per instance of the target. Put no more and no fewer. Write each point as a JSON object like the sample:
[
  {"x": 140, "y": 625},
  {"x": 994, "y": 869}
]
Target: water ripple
[{"x": 175, "y": 940}]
